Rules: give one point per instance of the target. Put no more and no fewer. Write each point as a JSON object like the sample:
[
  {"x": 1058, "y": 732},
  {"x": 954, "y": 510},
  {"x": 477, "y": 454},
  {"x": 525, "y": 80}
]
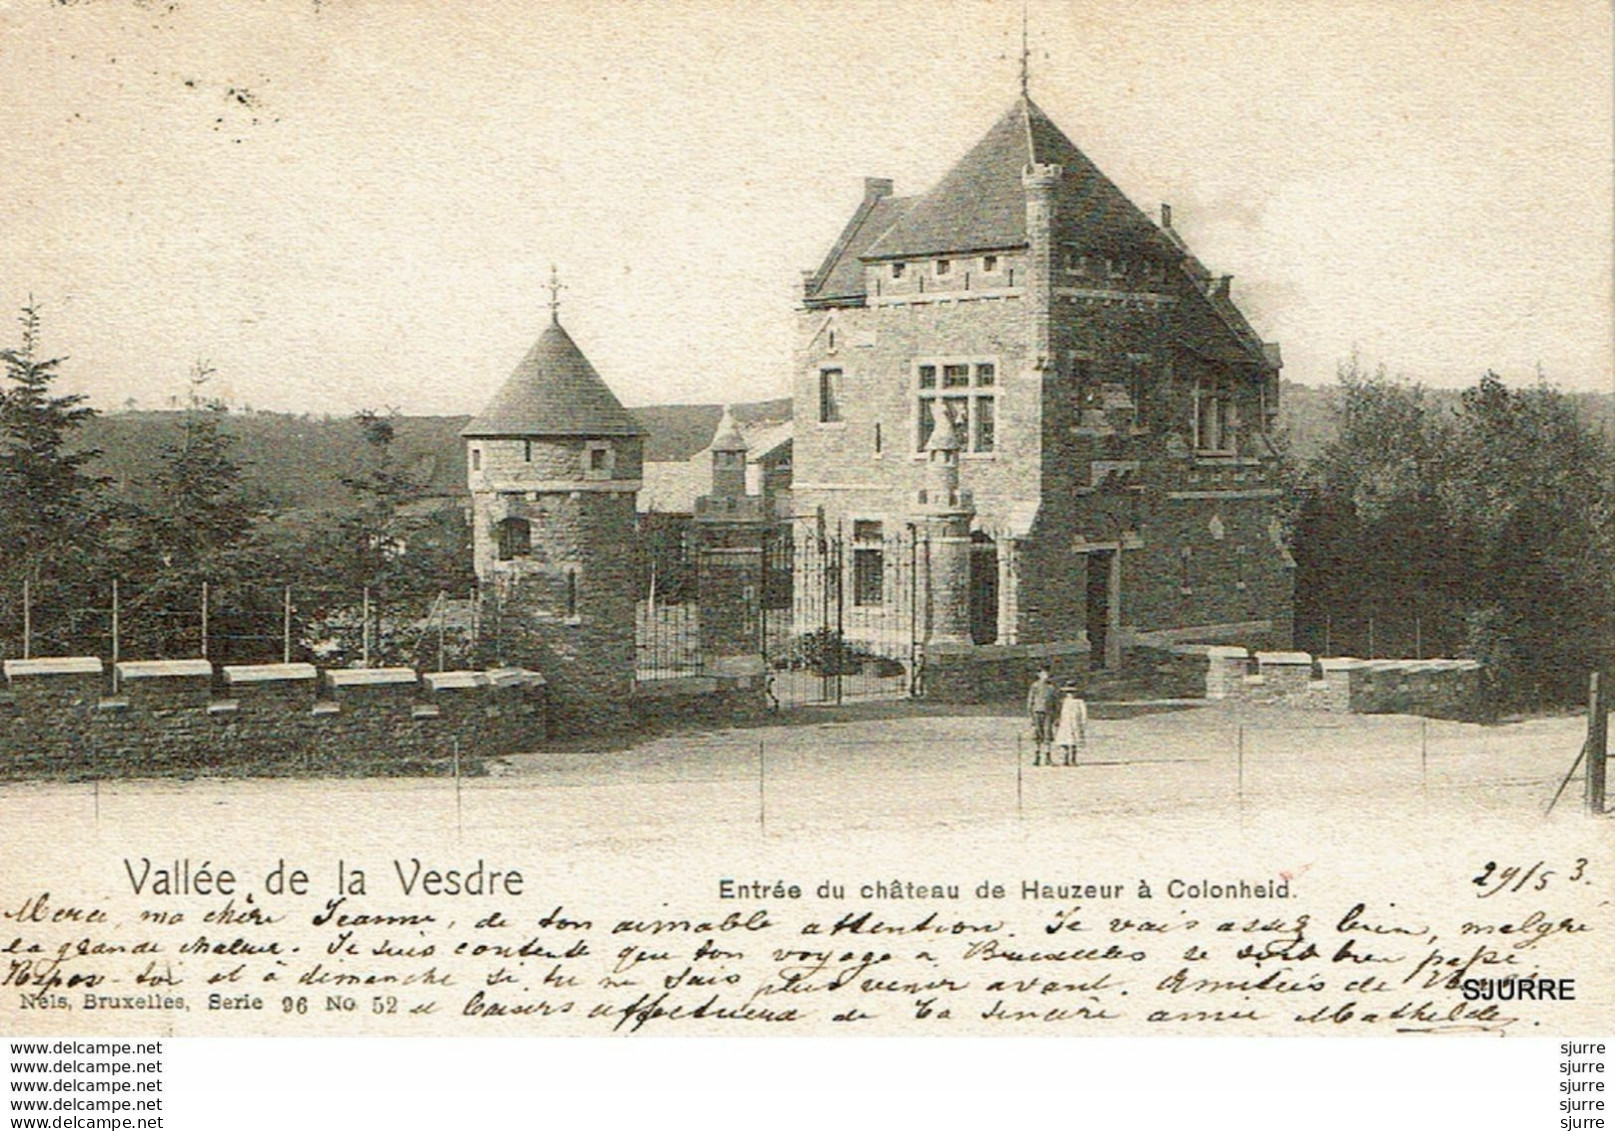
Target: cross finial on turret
[{"x": 555, "y": 289}]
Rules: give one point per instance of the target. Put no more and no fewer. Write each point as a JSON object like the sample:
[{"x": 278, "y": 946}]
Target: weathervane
[
  {"x": 1026, "y": 51},
  {"x": 555, "y": 289}
]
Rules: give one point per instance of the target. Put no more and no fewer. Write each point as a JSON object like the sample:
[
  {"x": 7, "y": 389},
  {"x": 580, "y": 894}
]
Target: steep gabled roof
[
  {"x": 841, "y": 275},
  {"x": 554, "y": 392},
  {"x": 980, "y": 204}
]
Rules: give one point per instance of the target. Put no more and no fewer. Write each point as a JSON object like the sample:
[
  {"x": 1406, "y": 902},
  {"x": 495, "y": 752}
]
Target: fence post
[
  {"x": 841, "y": 609},
  {"x": 442, "y": 616},
  {"x": 364, "y": 630},
  {"x": 286, "y": 627},
  {"x": 1597, "y": 741},
  {"x": 204, "y": 620},
  {"x": 115, "y": 640},
  {"x": 27, "y": 620}
]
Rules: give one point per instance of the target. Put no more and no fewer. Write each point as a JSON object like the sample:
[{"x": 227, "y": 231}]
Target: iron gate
[{"x": 852, "y": 626}]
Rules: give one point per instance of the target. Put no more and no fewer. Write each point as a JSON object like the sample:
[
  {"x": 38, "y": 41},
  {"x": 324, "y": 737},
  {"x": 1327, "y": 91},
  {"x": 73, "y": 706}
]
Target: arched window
[{"x": 515, "y": 538}]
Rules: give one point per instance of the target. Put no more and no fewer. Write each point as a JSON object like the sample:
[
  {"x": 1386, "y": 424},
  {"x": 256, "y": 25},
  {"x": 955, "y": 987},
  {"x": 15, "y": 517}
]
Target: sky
[{"x": 348, "y": 204}]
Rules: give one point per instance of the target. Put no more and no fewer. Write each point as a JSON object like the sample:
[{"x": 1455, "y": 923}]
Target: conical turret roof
[{"x": 554, "y": 392}]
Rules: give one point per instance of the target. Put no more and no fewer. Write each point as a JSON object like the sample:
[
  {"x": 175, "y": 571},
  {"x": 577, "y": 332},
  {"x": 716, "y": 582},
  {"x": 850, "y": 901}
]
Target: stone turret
[
  {"x": 554, "y": 463},
  {"x": 1040, "y": 181},
  {"x": 730, "y": 530},
  {"x": 728, "y": 459}
]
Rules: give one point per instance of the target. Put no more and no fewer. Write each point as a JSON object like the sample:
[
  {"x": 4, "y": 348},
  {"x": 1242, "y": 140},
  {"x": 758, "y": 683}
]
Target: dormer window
[
  {"x": 943, "y": 267},
  {"x": 897, "y": 270},
  {"x": 1072, "y": 261},
  {"x": 989, "y": 264},
  {"x": 1116, "y": 268}
]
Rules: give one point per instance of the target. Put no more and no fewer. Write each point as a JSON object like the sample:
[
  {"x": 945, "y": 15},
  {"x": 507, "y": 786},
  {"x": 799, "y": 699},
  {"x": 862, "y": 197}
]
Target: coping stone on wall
[
  {"x": 370, "y": 677},
  {"x": 163, "y": 669},
  {"x": 514, "y": 677},
  {"x": 454, "y": 681},
  {"x": 238, "y": 674},
  {"x": 52, "y": 666}
]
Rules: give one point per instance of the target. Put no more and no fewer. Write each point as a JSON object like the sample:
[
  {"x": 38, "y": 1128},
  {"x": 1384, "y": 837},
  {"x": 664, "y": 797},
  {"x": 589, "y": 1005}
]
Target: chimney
[
  {"x": 1166, "y": 216},
  {"x": 1223, "y": 286},
  {"x": 877, "y": 188}
]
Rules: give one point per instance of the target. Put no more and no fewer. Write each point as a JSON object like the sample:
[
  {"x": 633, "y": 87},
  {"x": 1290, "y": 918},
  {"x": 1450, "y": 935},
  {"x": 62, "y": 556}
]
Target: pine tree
[
  {"x": 47, "y": 498},
  {"x": 203, "y": 511}
]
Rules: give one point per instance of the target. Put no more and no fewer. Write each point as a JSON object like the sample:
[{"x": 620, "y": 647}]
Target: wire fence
[
  {"x": 1197, "y": 768},
  {"x": 241, "y": 624}
]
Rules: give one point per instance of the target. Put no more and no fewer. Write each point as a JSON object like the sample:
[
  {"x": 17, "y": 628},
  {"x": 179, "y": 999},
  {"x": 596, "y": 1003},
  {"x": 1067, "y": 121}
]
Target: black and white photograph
[{"x": 972, "y": 519}]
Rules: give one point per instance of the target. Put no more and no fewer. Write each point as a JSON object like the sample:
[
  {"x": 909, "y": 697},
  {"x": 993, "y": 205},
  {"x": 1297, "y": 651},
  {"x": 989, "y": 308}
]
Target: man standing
[{"x": 1040, "y": 702}]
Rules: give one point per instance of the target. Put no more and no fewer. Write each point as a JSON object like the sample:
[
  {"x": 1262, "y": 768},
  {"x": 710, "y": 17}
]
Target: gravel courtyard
[{"x": 1183, "y": 770}]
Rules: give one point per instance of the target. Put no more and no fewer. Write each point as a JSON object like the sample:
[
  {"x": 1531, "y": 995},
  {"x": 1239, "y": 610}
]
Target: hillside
[{"x": 299, "y": 461}]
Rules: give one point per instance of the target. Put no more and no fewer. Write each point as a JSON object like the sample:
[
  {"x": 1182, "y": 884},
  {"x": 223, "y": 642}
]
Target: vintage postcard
[{"x": 720, "y": 519}]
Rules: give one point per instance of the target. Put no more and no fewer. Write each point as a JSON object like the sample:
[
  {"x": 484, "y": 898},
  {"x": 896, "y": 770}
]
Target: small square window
[
  {"x": 897, "y": 270},
  {"x": 986, "y": 374},
  {"x": 955, "y": 376},
  {"x": 989, "y": 263},
  {"x": 598, "y": 461},
  {"x": 943, "y": 266},
  {"x": 527, "y": 451},
  {"x": 476, "y": 459},
  {"x": 927, "y": 376}
]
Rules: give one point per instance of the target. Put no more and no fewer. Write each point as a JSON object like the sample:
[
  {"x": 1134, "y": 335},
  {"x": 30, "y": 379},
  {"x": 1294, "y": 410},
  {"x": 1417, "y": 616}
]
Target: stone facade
[{"x": 1112, "y": 404}]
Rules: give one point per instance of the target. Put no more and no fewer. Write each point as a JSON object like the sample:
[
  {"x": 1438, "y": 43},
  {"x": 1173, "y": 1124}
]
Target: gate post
[{"x": 1597, "y": 740}]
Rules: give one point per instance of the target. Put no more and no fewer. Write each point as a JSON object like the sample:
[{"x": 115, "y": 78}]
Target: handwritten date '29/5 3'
[{"x": 1496, "y": 878}]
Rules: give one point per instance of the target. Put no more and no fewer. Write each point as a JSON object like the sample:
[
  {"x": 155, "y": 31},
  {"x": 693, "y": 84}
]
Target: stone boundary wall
[
  {"x": 1437, "y": 689},
  {"x": 705, "y": 700},
  {"x": 993, "y": 673},
  {"x": 72, "y": 717},
  {"x": 1441, "y": 689}
]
